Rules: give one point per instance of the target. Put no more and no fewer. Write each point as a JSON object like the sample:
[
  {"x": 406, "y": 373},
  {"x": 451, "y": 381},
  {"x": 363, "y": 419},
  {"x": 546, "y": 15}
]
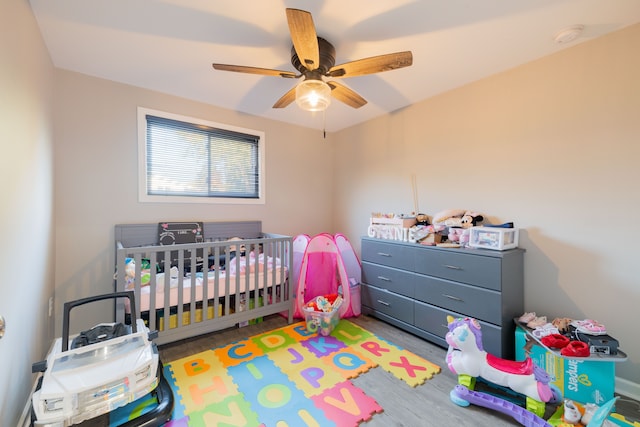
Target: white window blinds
[{"x": 194, "y": 160}]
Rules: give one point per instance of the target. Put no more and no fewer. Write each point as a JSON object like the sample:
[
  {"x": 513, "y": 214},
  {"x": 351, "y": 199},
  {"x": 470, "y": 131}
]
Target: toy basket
[{"x": 322, "y": 322}]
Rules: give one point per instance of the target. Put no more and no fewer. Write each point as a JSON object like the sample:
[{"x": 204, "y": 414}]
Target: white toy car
[{"x": 99, "y": 370}]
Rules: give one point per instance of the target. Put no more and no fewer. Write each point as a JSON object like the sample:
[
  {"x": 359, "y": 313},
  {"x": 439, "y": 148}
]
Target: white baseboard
[
  {"x": 628, "y": 388},
  {"x": 25, "y": 418}
]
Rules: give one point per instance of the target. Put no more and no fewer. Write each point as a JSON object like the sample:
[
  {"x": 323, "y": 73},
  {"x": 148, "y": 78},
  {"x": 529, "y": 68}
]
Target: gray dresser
[{"x": 415, "y": 287}]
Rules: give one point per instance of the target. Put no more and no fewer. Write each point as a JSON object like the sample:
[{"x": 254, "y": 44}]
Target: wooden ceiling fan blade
[
  {"x": 304, "y": 37},
  {"x": 346, "y": 95},
  {"x": 286, "y": 99},
  {"x": 374, "y": 64},
  {"x": 255, "y": 70}
]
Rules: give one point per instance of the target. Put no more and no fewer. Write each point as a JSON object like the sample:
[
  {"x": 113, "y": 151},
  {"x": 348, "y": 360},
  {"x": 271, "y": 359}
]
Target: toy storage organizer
[{"x": 197, "y": 288}]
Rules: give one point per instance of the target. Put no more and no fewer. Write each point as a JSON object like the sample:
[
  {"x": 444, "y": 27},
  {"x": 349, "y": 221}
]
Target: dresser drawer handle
[
  {"x": 384, "y": 279},
  {"x": 384, "y": 303},
  {"x": 384, "y": 254},
  {"x": 452, "y": 297},
  {"x": 453, "y": 267}
]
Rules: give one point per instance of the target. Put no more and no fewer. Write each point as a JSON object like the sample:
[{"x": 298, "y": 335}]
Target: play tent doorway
[{"x": 328, "y": 265}]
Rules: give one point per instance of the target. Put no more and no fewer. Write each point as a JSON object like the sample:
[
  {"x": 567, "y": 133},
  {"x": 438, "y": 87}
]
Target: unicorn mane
[{"x": 473, "y": 326}]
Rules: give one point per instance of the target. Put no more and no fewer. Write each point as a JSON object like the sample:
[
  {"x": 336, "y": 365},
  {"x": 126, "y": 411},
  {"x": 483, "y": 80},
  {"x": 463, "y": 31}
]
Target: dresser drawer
[
  {"x": 433, "y": 319},
  {"x": 478, "y": 270},
  {"x": 392, "y": 255},
  {"x": 483, "y": 304},
  {"x": 391, "y": 279},
  {"x": 388, "y": 303}
]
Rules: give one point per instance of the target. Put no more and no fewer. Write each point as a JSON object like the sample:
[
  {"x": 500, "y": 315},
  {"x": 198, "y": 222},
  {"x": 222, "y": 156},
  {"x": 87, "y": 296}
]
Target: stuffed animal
[
  {"x": 450, "y": 214},
  {"x": 459, "y": 226},
  {"x": 459, "y": 235},
  {"x": 422, "y": 219},
  {"x": 457, "y": 218},
  {"x": 471, "y": 219}
]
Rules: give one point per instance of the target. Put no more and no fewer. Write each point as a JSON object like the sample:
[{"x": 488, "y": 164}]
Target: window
[{"x": 183, "y": 159}]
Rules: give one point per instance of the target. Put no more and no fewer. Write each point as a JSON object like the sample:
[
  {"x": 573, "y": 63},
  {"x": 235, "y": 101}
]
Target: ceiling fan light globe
[{"x": 313, "y": 95}]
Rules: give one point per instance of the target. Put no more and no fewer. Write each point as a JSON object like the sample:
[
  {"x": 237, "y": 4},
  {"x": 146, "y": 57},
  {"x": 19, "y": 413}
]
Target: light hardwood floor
[{"x": 426, "y": 405}]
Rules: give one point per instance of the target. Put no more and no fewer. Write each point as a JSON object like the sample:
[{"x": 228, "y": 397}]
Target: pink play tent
[{"x": 327, "y": 265}]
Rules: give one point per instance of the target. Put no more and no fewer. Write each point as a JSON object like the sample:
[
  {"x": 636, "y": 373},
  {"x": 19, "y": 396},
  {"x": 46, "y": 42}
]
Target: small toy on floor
[{"x": 572, "y": 413}]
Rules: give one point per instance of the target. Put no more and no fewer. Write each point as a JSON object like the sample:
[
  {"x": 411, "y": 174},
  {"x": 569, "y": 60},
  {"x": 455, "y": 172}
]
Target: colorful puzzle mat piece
[
  {"x": 349, "y": 363},
  {"x": 273, "y": 396},
  {"x": 202, "y": 380},
  {"x": 238, "y": 352},
  {"x": 233, "y": 411},
  {"x": 403, "y": 364},
  {"x": 350, "y": 333},
  {"x": 346, "y": 404}
]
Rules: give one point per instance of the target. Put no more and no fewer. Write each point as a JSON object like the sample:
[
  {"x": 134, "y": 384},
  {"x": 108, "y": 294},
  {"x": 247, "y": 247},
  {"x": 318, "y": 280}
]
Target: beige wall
[
  {"x": 96, "y": 181},
  {"x": 26, "y": 215},
  {"x": 554, "y": 146}
]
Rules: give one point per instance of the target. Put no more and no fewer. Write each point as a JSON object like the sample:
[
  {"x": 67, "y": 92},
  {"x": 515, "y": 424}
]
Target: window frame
[{"x": 143, "y": 197}]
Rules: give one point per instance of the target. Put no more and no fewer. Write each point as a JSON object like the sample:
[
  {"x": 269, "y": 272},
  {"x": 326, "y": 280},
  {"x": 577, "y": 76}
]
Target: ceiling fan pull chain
[{"x": 324, "y": 124}]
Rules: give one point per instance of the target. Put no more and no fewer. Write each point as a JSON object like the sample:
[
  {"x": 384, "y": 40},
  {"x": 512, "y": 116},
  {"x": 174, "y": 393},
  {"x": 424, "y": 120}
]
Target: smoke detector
[{"x": 568, "y": 34}]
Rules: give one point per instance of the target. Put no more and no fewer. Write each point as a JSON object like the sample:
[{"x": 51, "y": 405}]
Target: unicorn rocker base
[{"x": 467, "y": 359}]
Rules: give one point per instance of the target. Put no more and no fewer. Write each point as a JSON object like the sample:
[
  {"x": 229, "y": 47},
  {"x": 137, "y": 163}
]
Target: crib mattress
[{"x": 223, "y": 286}]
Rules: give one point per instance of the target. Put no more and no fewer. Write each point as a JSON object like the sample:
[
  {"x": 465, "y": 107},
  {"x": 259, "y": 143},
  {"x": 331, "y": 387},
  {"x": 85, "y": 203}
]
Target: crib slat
[
  {"x": 120, "y": 282},
  {"x": 193, "y": 277},
  {"x": 166, "y": 307},
  {"x": 153, "y": 260}
]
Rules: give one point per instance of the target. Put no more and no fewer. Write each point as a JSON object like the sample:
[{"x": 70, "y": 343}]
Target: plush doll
[
  {"x": 422, "y": 219},
  {"x": 471, "y": 219},
  {"x": 457, "y": 218},
  {"x": 457, "y": 235},
  {"x": 450, "y": 215},
  {"x": 459, "y": 227}
]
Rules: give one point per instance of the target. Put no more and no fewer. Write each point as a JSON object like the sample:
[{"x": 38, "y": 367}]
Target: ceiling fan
[{"x": 314, "y": 57}]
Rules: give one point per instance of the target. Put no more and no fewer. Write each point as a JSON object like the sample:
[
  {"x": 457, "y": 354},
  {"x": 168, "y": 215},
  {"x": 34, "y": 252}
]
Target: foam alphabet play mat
[{"x": 288, "y": 377}]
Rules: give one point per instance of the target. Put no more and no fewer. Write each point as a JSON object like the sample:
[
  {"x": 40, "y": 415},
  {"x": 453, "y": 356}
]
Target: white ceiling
[{"x": 169, "y": 45}]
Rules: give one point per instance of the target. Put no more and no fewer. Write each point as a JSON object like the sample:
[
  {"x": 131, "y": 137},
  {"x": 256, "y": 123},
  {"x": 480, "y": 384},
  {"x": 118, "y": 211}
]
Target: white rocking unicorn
[{"x": 466, "y": 356}]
